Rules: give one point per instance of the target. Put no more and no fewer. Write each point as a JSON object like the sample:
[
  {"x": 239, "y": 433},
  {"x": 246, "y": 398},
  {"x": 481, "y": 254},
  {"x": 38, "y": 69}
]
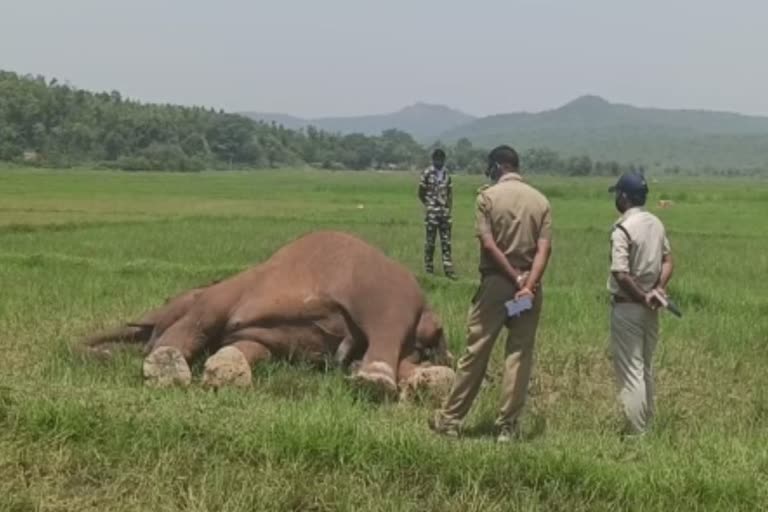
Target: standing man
[
  {"x": 641, "y": 264},
  {"x": 514, "y": 226},
  {"x": 436, "y": 194}
]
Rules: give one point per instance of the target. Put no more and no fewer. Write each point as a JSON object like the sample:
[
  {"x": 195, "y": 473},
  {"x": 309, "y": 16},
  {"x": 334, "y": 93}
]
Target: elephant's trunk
[{"x": 440, "y": 355}]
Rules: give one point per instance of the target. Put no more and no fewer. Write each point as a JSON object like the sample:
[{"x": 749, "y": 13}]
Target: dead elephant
[{"x": 325, "y": 296}]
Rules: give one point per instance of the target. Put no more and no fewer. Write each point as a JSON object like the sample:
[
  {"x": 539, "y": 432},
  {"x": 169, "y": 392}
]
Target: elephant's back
[
  {"x": 331, "y": 250},
  {"x": 342, "y": 261}
]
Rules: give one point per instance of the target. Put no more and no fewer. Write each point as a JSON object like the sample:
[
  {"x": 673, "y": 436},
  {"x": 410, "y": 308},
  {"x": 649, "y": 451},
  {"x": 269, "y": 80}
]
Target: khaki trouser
[
  {"x": 634, "y": 334},
  {"x": 487, "y": 316}
]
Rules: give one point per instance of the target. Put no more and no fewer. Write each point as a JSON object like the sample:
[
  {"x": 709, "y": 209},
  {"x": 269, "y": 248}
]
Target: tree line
[{"x": 47, "y": 123}]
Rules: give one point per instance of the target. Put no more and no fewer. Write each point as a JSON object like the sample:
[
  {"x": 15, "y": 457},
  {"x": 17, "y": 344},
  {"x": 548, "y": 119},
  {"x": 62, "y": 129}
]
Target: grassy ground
[{"x": 81, "y": 250}]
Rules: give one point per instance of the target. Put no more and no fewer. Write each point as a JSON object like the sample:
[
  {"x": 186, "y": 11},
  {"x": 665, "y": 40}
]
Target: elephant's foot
[
  {"x": 165, "y": 367},
  {"x": 427, "y": 384},
  {"x": 378, "y": 379},
  {"x": 227, "y": 367}
]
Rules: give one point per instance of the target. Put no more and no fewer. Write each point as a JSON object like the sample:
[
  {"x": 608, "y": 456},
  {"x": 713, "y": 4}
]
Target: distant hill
[
  {"x": 607, "y": 131},
  {"x": 47, "y": 123},
  {"x": 422, "y": 120},
  {"x": 589, "y": 125},
  {"x": 288, "y": 121}
]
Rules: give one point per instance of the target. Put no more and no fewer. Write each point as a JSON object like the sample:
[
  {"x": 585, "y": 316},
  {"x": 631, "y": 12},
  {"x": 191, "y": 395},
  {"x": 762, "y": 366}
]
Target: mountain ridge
[
  {"x": 422, "y": 120},
  {"x": 587, "y": 125},
  {"x": 591, "y": 125}
]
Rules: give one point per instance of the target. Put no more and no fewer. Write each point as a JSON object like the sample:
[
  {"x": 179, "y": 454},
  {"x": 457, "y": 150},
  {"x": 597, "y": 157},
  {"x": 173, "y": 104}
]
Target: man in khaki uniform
[
  {"x": 514, "y": 226},
  {"x": 641, "y": 264}
]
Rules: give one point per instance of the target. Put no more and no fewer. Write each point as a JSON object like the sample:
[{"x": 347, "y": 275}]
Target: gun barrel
[{"x": 672, "y": 307}]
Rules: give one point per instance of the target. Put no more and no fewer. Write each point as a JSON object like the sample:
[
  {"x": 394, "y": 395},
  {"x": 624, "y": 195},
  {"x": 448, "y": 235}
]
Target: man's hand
[
  {"x": 521, "y": 279},
  {"x": 523, "y": 292},
  {"x": 656, "y": 298},
  {"x": 651, "y": 301}
]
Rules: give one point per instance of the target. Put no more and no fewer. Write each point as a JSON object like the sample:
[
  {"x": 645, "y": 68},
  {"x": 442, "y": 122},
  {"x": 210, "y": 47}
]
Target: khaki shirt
[
  {"x": 517, "y": 216},
  {"x": 641, "y": 253}
]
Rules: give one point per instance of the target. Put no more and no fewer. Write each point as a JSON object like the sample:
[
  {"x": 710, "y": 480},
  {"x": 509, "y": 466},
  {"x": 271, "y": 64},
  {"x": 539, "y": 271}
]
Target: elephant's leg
[
  {"x": 378, "y": 369},
  {"x": 168, "y": 362},
  {"x": 104, "y": 344},
  {"x": 231, "y": 365},
  {"x": 143, "y": 331}
]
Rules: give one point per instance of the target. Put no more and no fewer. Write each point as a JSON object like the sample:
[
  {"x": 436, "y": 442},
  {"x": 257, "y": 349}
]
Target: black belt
[
  {"x": 493, "y": 272},
  {"x": 617, "y": 299}
]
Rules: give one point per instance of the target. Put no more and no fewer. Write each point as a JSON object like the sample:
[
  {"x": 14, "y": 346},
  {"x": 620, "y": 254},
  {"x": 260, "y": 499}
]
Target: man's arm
[
  {"x": 629, "y": 286},
  {"x": 621, "y": 271},
  {"x": 541, "y": 258},
  {"x": 540, "y": 261},
  {"x": 488, "y": 244},
  {"x": 667, "y": 266},
  {"x": 422, "y": 193}
]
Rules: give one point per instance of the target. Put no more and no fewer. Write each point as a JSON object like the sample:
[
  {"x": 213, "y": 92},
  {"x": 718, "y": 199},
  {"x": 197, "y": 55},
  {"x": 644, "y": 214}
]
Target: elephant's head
[{"x": 430, "y": 343}]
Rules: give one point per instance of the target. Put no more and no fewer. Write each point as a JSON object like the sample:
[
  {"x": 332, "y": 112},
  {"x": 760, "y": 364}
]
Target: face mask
[
  {"x": 618, "y": 202},
  {"x": 493, "y": 172}
]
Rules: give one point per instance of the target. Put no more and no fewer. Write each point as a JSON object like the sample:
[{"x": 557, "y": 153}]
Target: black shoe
[
  {"x": 450, "y": 274},
  {"x": 509, "y": 433}
]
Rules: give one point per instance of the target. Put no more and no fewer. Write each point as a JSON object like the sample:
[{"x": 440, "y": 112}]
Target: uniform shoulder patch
[{"x": 621, "y": 228}]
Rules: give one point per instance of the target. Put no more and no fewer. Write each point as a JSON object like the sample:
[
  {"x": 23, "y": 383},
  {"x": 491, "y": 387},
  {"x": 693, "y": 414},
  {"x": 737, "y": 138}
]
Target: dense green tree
[
  {"x": 579, "y": 166},
  {"x": 64, "y": 125},
  {"x": 49, "y": 123},
  {"x": 543, "y": 160}
]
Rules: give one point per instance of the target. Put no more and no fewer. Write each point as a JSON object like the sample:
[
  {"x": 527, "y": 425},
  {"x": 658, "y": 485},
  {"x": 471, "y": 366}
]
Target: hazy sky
[{"x": 338, "y": 57}]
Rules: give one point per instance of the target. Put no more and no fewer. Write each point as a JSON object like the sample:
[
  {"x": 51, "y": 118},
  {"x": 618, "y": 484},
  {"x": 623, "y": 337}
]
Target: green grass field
[{"x": 81, "y": 250}]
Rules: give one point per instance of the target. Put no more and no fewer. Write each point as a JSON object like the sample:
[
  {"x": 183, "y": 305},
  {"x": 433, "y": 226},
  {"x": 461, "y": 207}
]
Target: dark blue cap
[{"x": 632, "y": 184}]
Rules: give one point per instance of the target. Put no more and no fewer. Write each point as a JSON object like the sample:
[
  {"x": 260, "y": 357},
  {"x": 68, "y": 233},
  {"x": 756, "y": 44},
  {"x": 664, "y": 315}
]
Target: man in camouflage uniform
[{"x": 436, "y": 194}]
